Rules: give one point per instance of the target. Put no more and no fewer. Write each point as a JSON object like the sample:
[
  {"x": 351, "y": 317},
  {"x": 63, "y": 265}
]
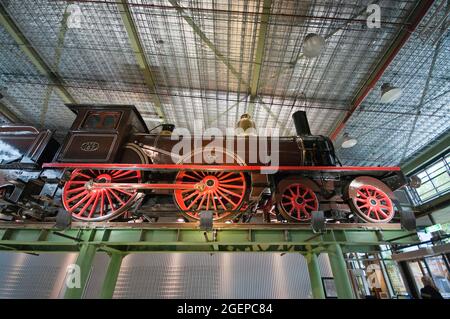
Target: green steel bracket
[
  {"x": 188, "y": 238},
  {"x": 25, "y": 45},
  {"x": 138, "y": 50},
  {"x": 340, "y": 273},
  {"x": 314, "y": 276},
  {"x": 111, "y": 275}
]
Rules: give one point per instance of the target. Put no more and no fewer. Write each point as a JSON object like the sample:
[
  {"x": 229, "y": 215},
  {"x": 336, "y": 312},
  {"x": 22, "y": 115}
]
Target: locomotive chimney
[{"x": 301, "y": 123}]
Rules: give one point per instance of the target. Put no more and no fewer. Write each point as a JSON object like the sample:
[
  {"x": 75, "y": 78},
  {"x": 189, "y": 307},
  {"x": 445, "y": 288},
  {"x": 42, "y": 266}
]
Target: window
[
  {"x": 435, "y": 181},
  {"x": 101, "y": 120}
]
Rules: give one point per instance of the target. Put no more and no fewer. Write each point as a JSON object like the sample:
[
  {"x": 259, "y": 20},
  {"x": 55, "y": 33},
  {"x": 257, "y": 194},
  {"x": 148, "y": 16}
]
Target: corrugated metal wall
[
  {"x": 29, "y": 276},
  {"x": 168, "y": 275}
]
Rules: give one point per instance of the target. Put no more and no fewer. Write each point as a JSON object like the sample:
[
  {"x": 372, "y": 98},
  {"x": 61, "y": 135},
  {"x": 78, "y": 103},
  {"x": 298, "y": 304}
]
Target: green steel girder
[
  {"x": 192, "y": 239},
  {"x": 138, "y": 50},
  {"x": 9, "y": 114},
  {"x": 440, "y": 147},
  {"x": 259, "y": 55},
  {"x": 25, "y": 45}
]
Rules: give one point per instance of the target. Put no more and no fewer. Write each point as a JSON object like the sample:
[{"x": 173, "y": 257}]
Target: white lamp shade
[
  {"x": 313, "y": 45},
  {"x": 348, "y": 141},
  {"x": 390, "y": 93}
]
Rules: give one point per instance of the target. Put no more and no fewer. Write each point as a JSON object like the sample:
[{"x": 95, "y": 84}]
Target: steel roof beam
[
  {"x": 219, "y": 54},
  {"x": 138, "y": 50},
  {"x": 259, "y": 55},
  {"x": 8, "y": 114},
  {"x": 413, "y": 21},
  {"x": 26, "y": 46}
]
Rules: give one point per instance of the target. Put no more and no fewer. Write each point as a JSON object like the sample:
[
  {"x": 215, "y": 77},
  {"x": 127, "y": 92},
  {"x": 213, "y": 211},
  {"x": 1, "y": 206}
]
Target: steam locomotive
[{"x": 110, "y": 167}]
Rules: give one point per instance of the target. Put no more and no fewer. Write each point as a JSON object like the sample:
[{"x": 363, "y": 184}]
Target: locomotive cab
[{"x": 99, "y": 132}]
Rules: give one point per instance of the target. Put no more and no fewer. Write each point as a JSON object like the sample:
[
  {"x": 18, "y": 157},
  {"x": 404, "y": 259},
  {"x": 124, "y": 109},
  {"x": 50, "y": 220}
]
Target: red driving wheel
[
  {"x": 298, "y": 202},
  {"x": 86, "y": 204},
  {"x": 373, "y": 204},
  {"x": 221, "y": 192}
]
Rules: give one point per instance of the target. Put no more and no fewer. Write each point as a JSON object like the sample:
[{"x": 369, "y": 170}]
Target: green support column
[
  {"x": 341, "y": 278},
  {"x": 109, "y": 283},
  {"x": 314, "y": 276},
  {"x": 84, "y": 261}
]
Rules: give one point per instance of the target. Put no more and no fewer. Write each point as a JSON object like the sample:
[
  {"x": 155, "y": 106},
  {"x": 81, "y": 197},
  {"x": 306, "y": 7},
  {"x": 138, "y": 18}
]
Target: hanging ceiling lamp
[
  {"x": 349, "y": 141},
  {"x": 247, "y": 125},
  {"x": 313, "y": 45},
  {"x": 389, "y": 93}
]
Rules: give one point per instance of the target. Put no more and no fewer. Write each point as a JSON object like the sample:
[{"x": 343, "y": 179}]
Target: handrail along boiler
[{"x": 110, "y": 167}]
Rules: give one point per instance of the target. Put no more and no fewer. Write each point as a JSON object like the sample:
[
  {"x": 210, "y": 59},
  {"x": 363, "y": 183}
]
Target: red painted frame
[{"x": 195, "y": 167}]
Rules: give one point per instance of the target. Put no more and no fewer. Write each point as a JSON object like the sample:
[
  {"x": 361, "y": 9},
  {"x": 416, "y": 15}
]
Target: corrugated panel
[
  {"x": 324, "y": 265},
  {"x": 225, "y": 275},
  {"x": 28, "y": 276}
]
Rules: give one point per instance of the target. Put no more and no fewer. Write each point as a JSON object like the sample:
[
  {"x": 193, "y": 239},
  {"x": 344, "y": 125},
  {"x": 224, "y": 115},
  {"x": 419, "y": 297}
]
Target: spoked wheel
[
  {"x": 221, "y": 192},
  {"x": 297, "y": 202},
  {"x": 101, "y": 204},
  {"x": 369, "y": 199}
]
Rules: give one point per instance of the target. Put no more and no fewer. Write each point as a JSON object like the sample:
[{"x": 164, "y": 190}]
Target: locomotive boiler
[{"x": 111, "y": 167}]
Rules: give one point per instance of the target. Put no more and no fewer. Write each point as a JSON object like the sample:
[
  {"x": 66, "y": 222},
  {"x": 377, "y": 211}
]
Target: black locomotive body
[{"x": 110, "y": 167}]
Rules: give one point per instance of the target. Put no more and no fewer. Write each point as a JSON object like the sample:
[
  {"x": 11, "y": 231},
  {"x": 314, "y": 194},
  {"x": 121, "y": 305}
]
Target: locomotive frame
[{"x": 110, "y": 167}]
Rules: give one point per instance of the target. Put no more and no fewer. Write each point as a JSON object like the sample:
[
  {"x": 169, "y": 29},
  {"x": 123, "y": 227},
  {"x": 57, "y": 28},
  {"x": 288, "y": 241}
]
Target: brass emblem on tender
[{"x": 90, "y": 146}]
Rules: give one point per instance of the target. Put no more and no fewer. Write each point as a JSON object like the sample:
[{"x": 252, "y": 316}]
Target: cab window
[{"x": 101, "y": 120}]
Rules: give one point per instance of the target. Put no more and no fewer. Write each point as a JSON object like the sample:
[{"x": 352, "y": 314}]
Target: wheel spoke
[
  {"x": 202, "y": 201},
  {"x": 197, "y": 174},
  {"x": 124, "y": 173},
  {"x": 74, "y": 190},
  {"x": 232, "y": 186},
  {"x": 213, "y": 201},
  {"x": 361, "y": 194},
  {"x": 191, "y": 177},
  {"x": 79, "y": 203},
  {"x": 94, "y": 206},
  {"x": 191, "y": 195},
  {"x": 229, "y": 192},
  {"x": 125, "y": 179},
  {"x": 111, "y": 191},
  {"x": 194, "y": 201},
  {"x": 231, "y": 180},
  {"x": 226, "y": 176},
  {"x": 220, "y": 200},
  {"x": 84, "y": 175},
  {"x": 102, "y": 203},
  {"x": 86, "y": 205},
  {"x": 77, "y": 196},
  {"x": 226, "y": 197},
  {"x": 382, "y": 213},
  {"x": 123, "y": 192},
  {"x": 307, "y": 214}
]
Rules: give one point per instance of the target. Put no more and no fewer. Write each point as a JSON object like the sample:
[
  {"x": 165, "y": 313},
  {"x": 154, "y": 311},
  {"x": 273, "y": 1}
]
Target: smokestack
[{"x": 301, "y": 123}]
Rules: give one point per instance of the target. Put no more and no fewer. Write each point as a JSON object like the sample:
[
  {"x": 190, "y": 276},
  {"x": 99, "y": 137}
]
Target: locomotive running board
[{"x": 195, "y": 167}]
